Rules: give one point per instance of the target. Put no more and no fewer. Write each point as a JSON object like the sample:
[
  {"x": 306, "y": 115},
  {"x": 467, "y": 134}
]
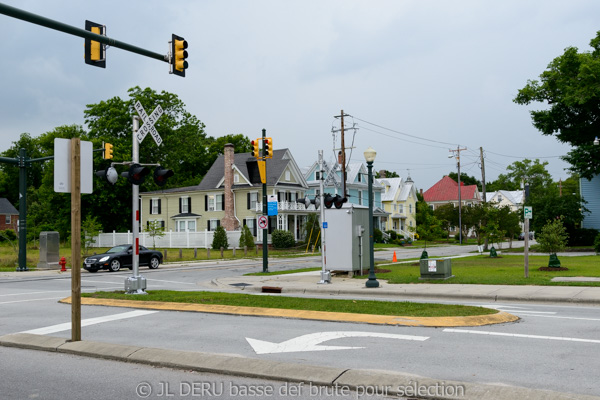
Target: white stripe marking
[
  {"x": 555, "y": 316},
  {"x": 519, "y": 335},
  {"x": 27, "y": 293},
  {"x": 23, "y": 301},
  {"x": 182, "y": 283},
  {"x": 89, "y": 321}
]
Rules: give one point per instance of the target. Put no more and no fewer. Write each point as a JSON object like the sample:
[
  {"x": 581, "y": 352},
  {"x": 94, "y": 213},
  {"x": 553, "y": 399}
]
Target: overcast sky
[{"x": 444, "y": 71}]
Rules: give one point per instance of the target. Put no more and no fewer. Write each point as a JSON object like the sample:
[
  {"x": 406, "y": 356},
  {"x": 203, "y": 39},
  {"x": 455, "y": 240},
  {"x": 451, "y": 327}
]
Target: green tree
[
  {"x": 447, "y": 214},
  {"x": 386, "y": 174},
  {"x": 533, "y": 172},
  {"x": 216, "y": 146},
  {"x": 246, "y": 238},
  {"x": 509, "y": 222},
  {"x": 89, "y": 229},
  {"x": 552, "y": 239},
  {"x": 569, "y": 91},
  {"x": 220, "y": 239},
  {"x": 155, "y": 229},
  {"x": 428, "y": 226}
]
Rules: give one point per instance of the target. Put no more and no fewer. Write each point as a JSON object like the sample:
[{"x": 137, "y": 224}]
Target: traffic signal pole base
[
  {"x": 372, "y": 283},
  {"x": 135, "y": 285},
  {"x": 325, "y": 277}
]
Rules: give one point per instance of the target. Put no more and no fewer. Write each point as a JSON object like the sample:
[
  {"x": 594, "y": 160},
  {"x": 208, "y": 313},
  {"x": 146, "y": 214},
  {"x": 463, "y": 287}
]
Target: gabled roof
[
  {"x": 513, "y": 196},
  {"x": 6, "y": 208},
  {"x": 391, "y": 186},
  {"x": 446, "y": 189}
]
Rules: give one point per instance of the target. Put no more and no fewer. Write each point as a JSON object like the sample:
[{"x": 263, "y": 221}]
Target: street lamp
[{"x": 370, "y": 157}]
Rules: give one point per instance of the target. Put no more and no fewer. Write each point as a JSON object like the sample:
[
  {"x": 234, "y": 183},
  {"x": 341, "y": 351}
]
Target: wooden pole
[{"x": 75, "y": 240}]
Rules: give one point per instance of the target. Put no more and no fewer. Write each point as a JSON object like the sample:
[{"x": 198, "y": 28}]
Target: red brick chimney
[{"x": 229, "y": 222}]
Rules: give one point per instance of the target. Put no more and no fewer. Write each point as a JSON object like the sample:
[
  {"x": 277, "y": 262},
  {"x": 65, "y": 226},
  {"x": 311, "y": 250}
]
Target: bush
[
  {"x": 597, "y": 244},
  {"x": 553, "y": 237},
  {"x": 377, "y": 236},
  {"x": 220, "y": 239},
  {"x": 282, "y": 239},
  {"x": 8, "y": 234},
  {"x": 393, "y": 234},
  {"x": 246, "y": 238},
  {"x": 582, "y": 237}
]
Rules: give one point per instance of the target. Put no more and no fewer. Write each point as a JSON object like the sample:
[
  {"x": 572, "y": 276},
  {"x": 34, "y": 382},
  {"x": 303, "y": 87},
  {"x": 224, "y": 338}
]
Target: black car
[{"x": 121, "y": 257}]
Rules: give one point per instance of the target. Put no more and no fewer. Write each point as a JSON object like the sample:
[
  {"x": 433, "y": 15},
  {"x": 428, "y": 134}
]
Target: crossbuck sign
[{"x": 149, "y": 121}]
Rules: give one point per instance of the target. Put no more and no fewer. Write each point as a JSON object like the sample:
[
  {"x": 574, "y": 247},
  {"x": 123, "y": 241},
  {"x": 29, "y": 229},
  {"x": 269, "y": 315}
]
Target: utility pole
[
  {"x": 341, "y": 116},
  {"x": 482, "y": 174},
  {"x": 456, "y": 154}
]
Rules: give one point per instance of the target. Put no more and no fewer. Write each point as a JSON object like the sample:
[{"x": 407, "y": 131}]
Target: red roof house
[{"x": 446, "y": 191}]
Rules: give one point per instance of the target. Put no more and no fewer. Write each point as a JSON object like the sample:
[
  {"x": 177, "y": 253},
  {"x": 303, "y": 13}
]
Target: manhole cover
[{"x": 240, "y": 284}]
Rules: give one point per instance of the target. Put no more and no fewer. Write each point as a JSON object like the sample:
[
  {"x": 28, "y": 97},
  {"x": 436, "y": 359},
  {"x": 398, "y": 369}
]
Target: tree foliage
[
  {"x": 220, "y": 239},
  {"x": 570, "y": 92},
  {"x": 155, "y": 229},
  {"x": 465, "y": 179},
  {"x": 553, "y": 236}
]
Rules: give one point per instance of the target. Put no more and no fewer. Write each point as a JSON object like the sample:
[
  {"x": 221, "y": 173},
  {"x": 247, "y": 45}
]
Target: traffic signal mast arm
[{"x": 71, "y": 30}]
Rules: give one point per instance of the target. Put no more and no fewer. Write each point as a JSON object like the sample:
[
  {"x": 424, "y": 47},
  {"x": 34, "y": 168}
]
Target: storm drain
[{"x": 241, "y": 284}]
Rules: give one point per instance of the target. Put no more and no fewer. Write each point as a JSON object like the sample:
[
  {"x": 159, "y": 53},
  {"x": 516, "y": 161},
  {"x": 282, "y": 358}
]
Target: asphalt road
[{"x": 552, "y": 347}]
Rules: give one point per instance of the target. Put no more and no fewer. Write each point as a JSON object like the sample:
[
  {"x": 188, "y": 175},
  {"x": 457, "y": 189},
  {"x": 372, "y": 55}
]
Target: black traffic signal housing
[
  {"x": 108, "y": 151},
  {"x": 136, "y": 174},
  {"x": 268, "y": 147},
  {"x": 256, "y": 148},
  {"x": 94, "y": 51},
  {"x": 161, "y": 175},
  {"x": 109, "y": 174},
  {"x": 337, "y": 201},
  {"x": 178, "y": 55},
  {"x": 328, "y": 200}
]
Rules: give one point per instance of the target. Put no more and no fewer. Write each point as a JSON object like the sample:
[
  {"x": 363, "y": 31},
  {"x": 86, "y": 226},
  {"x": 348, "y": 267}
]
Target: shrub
[
  {"x": 282, "y": 239},
  {"x": 582, "y": 237},
  {"x": 220, "y": 239},
  {"x": 393, "y": 234},
  {"x": 553, "y": 237},
  {"x": 597, "y": 244},
  {"x": 9, "y": 235},
  {"x": 377, "y": 236},
  {"x": 246, "y": 238}
]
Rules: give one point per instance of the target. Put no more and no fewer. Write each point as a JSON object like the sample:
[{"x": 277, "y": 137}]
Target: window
[
  {"x": 154, "y": 206},
  {"x": 212, "y": 224},
  {"x": 184, "y": 201},
  {"x": 410, "y": 208},
  {"x": 236, "y": 178},
  {"x": 251, "y": 224},
  {"x": 8, "y": 219},
  {"x": 186, "y": 225},
  {"x": 317, "y": 175},
  {"x": 360, "y": 177},
  {"x": 252, "y": 199},
  {"x": 499, "y": 198},
  {"x": 360, "y": 198},
  {"x": 219, "y": 206},
  {"x": 287, "y": 176},
  {"x": 401, "y": 208},
  {"x": 210, "y": 203},
  {"x": 213, "y": 202},
  {"x": 293, "y": 196}
]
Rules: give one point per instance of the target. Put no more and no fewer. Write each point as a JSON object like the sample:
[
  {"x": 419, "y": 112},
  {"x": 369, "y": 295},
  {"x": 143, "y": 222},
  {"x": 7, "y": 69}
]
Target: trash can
[{"x": 436, "y": 269}]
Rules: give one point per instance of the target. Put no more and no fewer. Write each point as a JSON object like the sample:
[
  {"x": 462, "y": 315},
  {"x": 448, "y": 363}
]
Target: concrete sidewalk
[{"x": 307, "y": 283}]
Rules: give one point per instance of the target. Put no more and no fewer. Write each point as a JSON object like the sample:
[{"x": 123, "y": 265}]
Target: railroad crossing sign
[
  {"x": 263, "y": 222},
  {"x": 149, "y": 121}
]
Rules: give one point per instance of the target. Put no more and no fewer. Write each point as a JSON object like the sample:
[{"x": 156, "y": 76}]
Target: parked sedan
[{"x": 121, "y": 257}]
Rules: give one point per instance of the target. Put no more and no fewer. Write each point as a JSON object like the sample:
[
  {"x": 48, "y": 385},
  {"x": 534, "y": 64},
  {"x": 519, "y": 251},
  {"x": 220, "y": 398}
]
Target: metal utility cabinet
[
  {"x": 436, "y": 269},
  {"x": 347, "y": 238}
]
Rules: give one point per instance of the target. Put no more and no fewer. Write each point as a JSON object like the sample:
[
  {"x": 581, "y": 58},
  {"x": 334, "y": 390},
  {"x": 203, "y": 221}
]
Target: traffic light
[
  {"x": 328, "y": 200},
  {"x": 136, "y": 174},
  {"x": 95, "y": 52},
  {"x": 268, "y": 147},
  {"x": 109, "y": 174},
  {"x": 255, "y": 148},
  {"x": 161, "y": 174},
  {"x": 338, "y": 201},
  {"x": 108, "y": 151},
  {"x": 178, "y": 55},
  {"x": 307, "y": 202}
]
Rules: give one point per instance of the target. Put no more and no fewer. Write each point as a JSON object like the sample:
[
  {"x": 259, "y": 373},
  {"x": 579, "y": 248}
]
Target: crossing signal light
[
  {"x": 94, "y": 51},
  {"x": 161, "y": 174},
  {"x": 328, "y": 200},
  {"x": 268, "y": 146},
  {"x": 255, "y": 148},
  {"x": 108, "y": 151},
  {"x": 136, "y": 174},
  {"x": 337, "y": 201},
  {"x": 109, "y": 175},
  {"x": 307, "y": 202},
  {"x": 178, "y": 55}
]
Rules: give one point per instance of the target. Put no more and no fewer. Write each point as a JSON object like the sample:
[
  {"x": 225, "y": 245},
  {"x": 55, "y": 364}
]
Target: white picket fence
[{"x": 171, "y": 240}]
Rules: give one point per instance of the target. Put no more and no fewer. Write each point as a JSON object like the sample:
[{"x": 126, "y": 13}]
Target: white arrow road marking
[
  {"x": 311, "y": 342},
  {"x": 89, "y": 321},
  {"x": 519, "y": 335}
]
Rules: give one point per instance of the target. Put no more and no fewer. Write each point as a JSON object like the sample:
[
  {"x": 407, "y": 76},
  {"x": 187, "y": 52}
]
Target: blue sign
[
  {"x": 324, "y": 225},
  {"x": 272, "y": 208}
]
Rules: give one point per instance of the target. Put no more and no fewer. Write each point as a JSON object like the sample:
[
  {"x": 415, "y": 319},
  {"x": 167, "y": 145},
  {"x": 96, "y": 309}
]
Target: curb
[
  {"x": 474, "y": 320},
  {"x": 385, "y": 382}
]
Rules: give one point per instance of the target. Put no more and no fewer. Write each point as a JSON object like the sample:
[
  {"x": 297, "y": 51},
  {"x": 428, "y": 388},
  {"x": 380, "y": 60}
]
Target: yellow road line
[{"x": 474, "y": 320}]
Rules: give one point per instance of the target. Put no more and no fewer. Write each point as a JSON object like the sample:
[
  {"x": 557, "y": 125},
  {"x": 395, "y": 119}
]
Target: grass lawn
[
  {"x": 295, "y": 303},
  {"x": 504, "y": 270}
]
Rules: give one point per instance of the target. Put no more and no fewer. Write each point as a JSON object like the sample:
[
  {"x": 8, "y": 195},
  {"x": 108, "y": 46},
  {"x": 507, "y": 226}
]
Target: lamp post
[{"x": 370, "y": 157}]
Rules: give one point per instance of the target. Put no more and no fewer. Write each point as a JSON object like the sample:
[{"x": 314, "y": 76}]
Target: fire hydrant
[{"x": 63, "y": 264}]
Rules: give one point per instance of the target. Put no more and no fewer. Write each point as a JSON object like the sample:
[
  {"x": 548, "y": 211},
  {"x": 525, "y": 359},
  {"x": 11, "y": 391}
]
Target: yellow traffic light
[
  {"x": 94, "y": 50},
  {"x": 268, "y": 146},
  {"x": 256, "y": 148},
  {"x": 178, "y": 55},
  {"x": 108, "y": 151}
]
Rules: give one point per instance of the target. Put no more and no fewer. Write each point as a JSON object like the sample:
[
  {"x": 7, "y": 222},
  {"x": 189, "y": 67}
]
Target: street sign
[
  {"x": 324, "y": 225},
  {"x": 149, "y": 121},
  {"x": 263, "y": 222},
  {"x": 62, "y": 166},
  {"x": 528, "y": 212},
  {"x": 272, "y": 205}
]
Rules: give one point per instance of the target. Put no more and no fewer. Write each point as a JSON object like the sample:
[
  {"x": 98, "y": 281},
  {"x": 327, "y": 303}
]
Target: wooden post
[
  {"x": 208, "y": 253},
  {"x": 180, "y": 254},
  {"x": 195, "y": 253},
  {"x": 234, "y": 252},
  {"x": 165, "y": 255},
  {"x": 221, "y": 252},
  {"x": 75, "y": 240},
  {"x": 245, "y": 251}
]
